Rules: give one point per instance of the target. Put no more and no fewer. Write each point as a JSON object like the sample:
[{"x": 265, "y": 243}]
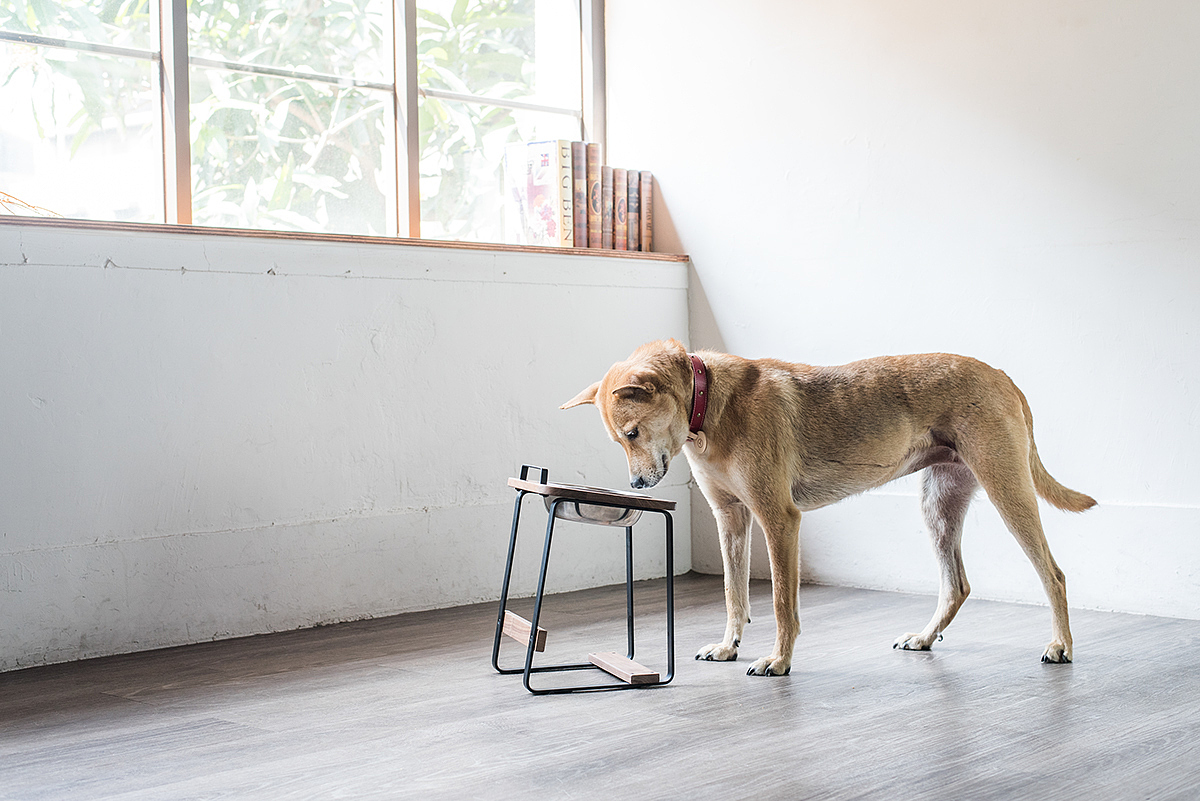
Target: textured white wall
[
  {"x": 1019, "y": 182},
  {"x": 192, "y": 447}
]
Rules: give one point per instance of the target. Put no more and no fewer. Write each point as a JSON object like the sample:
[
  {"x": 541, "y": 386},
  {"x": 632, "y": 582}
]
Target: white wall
[
  {"x": 192, "y": 447},
  {"x": 1015, "y": 181}
]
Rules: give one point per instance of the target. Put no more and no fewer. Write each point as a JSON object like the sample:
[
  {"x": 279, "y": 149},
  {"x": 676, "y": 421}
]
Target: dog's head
[{"x": 644, "y": 403}]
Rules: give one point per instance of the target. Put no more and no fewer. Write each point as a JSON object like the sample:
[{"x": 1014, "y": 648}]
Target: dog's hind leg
[
  {"x": 733, "y": 526},
  {"x": 1020, "y": 513},
  {"x": 1006, "y": 476},
  {"x": 946, "y": 492}
]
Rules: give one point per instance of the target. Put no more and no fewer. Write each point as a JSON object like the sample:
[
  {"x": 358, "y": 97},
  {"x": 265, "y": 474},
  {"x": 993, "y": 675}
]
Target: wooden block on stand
[
  {"x": 518, "y": 628},
  {"x": 623, "y": 668}
]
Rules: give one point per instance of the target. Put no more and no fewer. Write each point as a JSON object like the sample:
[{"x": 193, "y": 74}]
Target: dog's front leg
[
  {"x": 781, "y": 525},
  {"x": 733, "y": 526}
]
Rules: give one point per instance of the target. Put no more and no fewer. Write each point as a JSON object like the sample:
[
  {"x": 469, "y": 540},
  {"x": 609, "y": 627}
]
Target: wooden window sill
[{"x": 202, "y": 230}]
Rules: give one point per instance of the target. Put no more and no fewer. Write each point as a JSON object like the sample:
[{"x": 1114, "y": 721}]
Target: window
[
  {"x": 490, "y": 73},
  {"x": 79, "y": 111},
  {"x": 291, "y": 114},
  {"x": 347, "y": 116}
]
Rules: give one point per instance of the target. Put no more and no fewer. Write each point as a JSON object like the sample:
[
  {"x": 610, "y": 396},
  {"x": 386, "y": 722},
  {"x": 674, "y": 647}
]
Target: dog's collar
[{"x": 699, "y": 400}]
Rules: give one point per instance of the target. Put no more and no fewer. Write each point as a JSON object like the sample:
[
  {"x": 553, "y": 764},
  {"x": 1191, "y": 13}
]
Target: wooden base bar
[
  {"x": 518, "y": 628},
  {"x": 624, "y": 669}
]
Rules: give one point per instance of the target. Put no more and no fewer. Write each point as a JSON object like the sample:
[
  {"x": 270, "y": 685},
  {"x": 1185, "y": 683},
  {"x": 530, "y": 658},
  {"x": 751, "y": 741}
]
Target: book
[
  {"x": 579, "y": 196},
  {"x": 559, "y": 193},
  {"x": 594, "y": 212},
  {"x": 606, "y": 207},
  {"x": 620, "y": 204},
  {"x": 566, "y": 197},
  {"x": 516, "y": 181},
  {"x": 632, "y": 206},
  {"x": 646, "y": 221},
  {"x": 549, "y": 218}
]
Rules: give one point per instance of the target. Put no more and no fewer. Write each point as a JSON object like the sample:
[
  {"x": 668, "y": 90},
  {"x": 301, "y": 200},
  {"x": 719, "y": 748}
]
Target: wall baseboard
[{"x": 1141, "y": 559}]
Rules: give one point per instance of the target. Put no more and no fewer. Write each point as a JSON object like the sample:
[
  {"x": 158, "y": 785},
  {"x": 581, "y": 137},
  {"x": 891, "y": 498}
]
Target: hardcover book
[
  {"x": 646, "y": 223},
  {"x": 594, "y": 212},
  {"x": 579, "y": 197},
  {"x": 566, "y": 197},
  {"x": 620, "y": 204},
  {"x": 632, "y": 206},
  {"x": 549, "y": 218},
  {"x": 606, "y": 207}
]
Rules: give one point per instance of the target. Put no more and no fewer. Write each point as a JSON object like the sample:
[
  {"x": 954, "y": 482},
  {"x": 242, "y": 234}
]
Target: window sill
[{"x": 247, "y": 233}]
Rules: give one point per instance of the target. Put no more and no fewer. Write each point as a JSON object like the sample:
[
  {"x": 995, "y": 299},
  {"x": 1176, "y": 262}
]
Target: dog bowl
[{"x": 578, "y": 512}]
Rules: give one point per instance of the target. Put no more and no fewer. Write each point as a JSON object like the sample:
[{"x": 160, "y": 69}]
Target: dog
[{"x": 767, "y": 440}]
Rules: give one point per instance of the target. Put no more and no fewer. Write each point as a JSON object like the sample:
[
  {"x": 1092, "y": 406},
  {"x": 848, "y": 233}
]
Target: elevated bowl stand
[{"x": 600, "y": 507}]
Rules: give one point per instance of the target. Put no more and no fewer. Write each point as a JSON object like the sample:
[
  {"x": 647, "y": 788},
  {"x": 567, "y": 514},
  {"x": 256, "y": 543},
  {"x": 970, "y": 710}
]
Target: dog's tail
[{"x": 1047, "y": 487}]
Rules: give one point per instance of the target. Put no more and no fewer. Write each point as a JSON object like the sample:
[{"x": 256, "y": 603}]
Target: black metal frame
[{"x": 529, "y": 669}]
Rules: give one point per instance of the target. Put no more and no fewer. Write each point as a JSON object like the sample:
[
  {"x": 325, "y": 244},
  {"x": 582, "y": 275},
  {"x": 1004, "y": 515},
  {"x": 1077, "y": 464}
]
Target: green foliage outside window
[
  {"x": 287, "y": 153},
  {"x": 125, "y": 23},
  {"x": 271, "y": 152},
  {"x": 109, "y": 89},
  {"x": 480, "y": 48}
]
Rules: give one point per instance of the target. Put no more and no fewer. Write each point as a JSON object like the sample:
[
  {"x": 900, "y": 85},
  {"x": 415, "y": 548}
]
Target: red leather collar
[{"x": 699, "y": 393}]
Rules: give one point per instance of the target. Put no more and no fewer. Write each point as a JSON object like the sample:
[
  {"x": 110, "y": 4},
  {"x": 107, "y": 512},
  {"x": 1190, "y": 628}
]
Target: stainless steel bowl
[{"x": 591, "y": 513}]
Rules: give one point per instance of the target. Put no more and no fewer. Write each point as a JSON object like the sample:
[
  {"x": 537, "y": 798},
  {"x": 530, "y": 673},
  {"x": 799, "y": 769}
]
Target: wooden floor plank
[{"x": 408, "y": 707}]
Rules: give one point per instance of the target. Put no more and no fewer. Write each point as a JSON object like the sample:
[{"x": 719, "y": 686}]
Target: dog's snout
[
  {"x": 643, "y": 476},
  {"x": 644, "y": 481}
]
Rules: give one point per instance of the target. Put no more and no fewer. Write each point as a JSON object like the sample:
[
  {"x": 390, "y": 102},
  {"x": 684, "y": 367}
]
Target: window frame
[{"x": 174, "y": 63}]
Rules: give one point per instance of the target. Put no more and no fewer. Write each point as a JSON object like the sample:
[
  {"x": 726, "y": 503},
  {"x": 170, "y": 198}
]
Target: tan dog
[{"x": 780, "y": 438}]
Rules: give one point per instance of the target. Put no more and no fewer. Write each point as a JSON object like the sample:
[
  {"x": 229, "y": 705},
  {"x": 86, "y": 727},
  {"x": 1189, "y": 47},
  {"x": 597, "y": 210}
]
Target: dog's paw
[
  {"x": 1057, "y": 653},
  {"x": 912, "y": 642},
  {"x": 770, "y": 666},
  {"x": 718, "y": 652}
]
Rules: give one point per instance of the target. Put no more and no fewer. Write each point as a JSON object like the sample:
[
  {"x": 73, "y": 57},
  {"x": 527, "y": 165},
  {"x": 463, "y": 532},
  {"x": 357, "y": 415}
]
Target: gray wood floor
[{"x": 408, "y": 707}]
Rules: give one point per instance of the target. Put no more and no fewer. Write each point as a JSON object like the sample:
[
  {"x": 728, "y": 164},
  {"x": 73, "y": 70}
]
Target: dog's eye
[{"x": 632, "y": 434}]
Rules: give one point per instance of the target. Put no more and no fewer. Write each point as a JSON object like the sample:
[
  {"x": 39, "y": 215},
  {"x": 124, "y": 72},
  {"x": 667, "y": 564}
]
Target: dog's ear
[
  {"x": 587, "y": 396},
  {"x": 638, "y": 388}
]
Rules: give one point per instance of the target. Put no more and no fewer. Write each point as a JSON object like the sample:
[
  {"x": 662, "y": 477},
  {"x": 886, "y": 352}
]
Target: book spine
[
  {"x": 566, "y": 196},
  {"x": 595, "y": 228},
  {"x": 606, "y": 207},
  {"x": 646, "y": 179},
  {"x": 579, "y": 194},
  {"x": 632, "y": 211},
  {"x": 620, "y": 207}
]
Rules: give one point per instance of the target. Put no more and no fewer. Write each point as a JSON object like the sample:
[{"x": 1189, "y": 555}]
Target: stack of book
[{"x": 558, "y": 193}]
